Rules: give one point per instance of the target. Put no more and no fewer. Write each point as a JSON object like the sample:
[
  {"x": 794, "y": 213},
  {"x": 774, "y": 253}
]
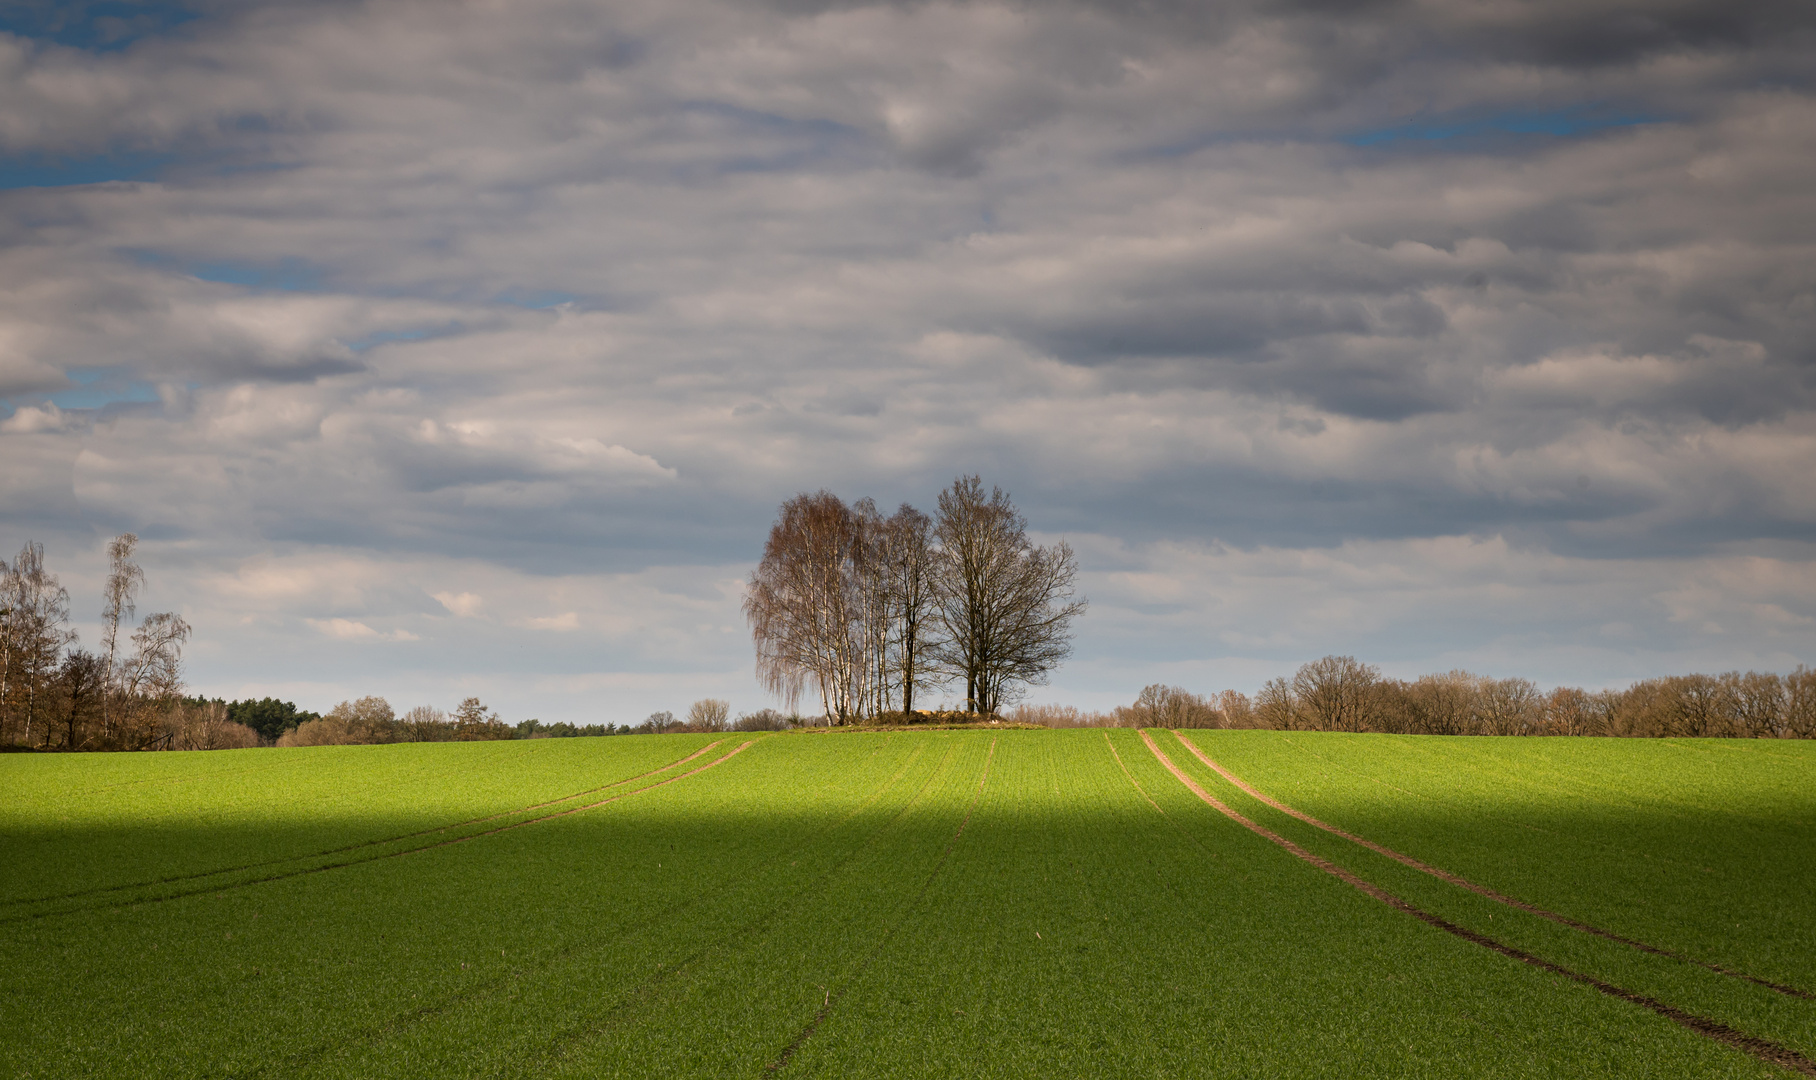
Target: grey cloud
[{"x": 1117, "y": 258}]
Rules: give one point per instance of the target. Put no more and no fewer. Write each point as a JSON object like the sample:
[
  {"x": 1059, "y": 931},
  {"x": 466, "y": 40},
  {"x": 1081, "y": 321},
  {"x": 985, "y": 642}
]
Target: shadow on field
[{"x": 806, "y": 905}]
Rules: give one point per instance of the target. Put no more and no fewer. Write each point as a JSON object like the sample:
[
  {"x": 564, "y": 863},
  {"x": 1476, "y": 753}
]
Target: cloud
[
  {"x": 465, "y": 604},
  {"x": 552, "y": 304},
  {"x": 30, "y": 419},
  {"x": 350, "y": 630}
]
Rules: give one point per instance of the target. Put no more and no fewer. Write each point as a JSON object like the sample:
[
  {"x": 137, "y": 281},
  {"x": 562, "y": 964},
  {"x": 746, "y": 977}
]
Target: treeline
[
  {"x": 1339, "y": 693},
  {"x": 871, "y": 610},
  {"x": 372, "y": 721},
  {"x": 123, "y": 695},
  {"x": 366, "y": 721}
]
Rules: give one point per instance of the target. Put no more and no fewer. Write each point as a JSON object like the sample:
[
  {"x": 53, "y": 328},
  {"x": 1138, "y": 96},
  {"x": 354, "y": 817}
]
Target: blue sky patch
[
  {"x": 289, "y": 274},
  {"x": 43, "y": 170},
  {"x": 1557, "y": 123},
  {"x": 95, "y": 25},
  {"x": 96, "y": 388},
  {"x": 537, "y": 299}
]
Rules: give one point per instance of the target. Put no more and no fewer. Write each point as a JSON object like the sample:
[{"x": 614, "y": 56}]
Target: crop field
[{"x": 929, "y": 903}]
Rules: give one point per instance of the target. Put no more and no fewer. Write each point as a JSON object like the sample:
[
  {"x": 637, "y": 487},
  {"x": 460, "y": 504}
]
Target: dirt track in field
[
  {"x": 407, "y": 851},
  {"x": 1763, "y": 1049},
  {"x": 832, "y": 999},
  {"x": 100, "y": 889},
  {"x": 1483, "y": 890}
]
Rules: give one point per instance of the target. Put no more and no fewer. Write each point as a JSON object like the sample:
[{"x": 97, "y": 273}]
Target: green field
[{"x": 943, "y": 903}]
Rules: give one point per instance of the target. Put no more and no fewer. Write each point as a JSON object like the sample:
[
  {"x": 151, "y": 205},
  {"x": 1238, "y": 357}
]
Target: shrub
[{"x": 764, "y": 720}]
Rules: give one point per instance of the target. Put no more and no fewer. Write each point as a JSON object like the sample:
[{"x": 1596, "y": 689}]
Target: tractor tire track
[
  {"x": 1482, "y": 890},
  {"x": 1763, "y": 1049},
  {"x": 217, "y": 889},
  {"x": 832, "y": 1000},
  {"x": 154, "y": 882},
  {"x": 627, "y": 999}
]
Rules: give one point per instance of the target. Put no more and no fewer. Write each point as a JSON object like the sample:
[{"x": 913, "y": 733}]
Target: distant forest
[
  {"x": 888, "y": 618},
  {"x": 1339, "y": 693}
]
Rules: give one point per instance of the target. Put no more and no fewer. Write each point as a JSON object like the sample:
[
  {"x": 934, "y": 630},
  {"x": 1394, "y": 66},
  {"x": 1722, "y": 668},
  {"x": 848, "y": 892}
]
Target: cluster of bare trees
[
  {"x": 1340, "y": 693},
  {"x": 872, "y": 610},
  {"x": 124, "y": 697},
  {"x": 712, "y": 714},
  {"x": 371, "y": 720},
  {"x": 1156, "y": 706}
]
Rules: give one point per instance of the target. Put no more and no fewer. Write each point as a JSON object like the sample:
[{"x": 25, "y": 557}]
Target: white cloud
[
  {"x": 348, "y": 629},
  {"x": 465, "y": 604},
  {"x": 551, "y": 304},
  {"x": 28, "y": 420}
]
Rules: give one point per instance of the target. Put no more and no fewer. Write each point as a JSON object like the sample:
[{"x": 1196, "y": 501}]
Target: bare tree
[
  {"x": 36, "y": 630},
  {"x": 1390, "y": 708},
  {"x": 855, "y": 603},
  {"x": 907, "y": 558},
  {"x": 1237, "y": 710},
  {"x": 124, "y": 579},
  {"x": 155, "y": 668},
  {"x": 83, "y": 680},
  {"x": 367, "y": 720},
  {"x": 1509, "y": 706},
  {"x": 869, "y": 611},
  {"x": 1800, "y": 702},
  {"x": 1758, "y": 701},
  {"x": 1568, "y": 711},
  {"x": 1444, "y": 704},
  {"x": 1334, "y": 693},
  {"x": 150, "y": 681},
  {"x": 425, "y": 723},
  {"x": 708, "y": 714},
  {"x": 206, "y": 727},
  {"x": 804, "y": 604},
  {"x": 763, "y": 720},
  {"x": 1275, "y": 706},
  {"x": 1164, "y": 706},
  {"x": 1699, "y": 706},
  {"x": 473, "y": 722},
  {"x": 1005, "y": 604},
  {"x": 661, "y": 723},
  {"x": 10, "y": 623}
]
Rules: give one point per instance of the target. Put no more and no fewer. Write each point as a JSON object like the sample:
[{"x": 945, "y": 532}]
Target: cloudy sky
[{"x": 439, "y": 349}]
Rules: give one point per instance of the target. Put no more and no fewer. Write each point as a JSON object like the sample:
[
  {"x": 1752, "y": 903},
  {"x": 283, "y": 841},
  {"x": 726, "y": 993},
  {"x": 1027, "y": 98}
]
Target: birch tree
[
  {"x": 155, "y": 669},
  {"x": 124, "y": 579},
  {"x": 36, "y": 630},
  {"x": 871, "y": 610},
  {"x": 803, "y": 603}
]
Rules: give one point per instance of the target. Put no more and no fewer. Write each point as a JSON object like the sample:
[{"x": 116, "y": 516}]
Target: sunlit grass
[{"x": 945, "y": 903}]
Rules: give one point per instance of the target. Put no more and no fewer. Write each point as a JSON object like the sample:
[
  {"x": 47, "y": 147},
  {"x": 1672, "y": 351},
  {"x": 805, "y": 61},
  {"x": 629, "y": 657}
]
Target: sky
[{"x": 438, "y": 349}]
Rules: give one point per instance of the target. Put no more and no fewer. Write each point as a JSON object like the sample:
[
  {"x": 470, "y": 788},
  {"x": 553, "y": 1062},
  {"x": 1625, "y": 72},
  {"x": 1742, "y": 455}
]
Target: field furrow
[
  {"x": 1480, "y": 890},
  {"x": 336, "y": 859},
  {"x": 1698, "y": 847},
  {"x": 906, "y": 904},
  {"x": 1763, "y": 1049}
]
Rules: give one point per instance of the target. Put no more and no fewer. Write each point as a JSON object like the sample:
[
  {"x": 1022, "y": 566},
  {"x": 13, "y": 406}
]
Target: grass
[
  {"x": 906, "y": 903},
  {"x": 1704, "y": 846}
]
